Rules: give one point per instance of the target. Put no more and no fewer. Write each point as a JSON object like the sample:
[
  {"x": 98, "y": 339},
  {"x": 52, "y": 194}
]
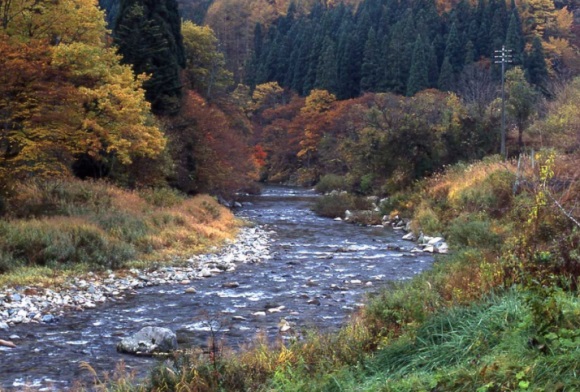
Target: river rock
[
  {"x": 230, "y": 285},
  {"x": 284, "y": 326},
  {"x": 205, "y": 273},
  {"x": 7, "y": 343},
  {"x": 4, "y": 326},
  {"x": 190, "y": 290},
  {"x": 149, "y": 340}
]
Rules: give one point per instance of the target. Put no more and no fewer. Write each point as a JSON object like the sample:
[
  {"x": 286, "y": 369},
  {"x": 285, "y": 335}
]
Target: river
[{"x": 319, "y": 274}]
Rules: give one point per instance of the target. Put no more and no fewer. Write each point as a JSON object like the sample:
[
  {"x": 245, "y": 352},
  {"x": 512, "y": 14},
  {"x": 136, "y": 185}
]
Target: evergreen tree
[
  {"x": 349, "y": 64},
  {"x": 536, "y": 69},
  {"x": 313, "y": 60},
  {"x": 497, "y": 31},
  {"x": 454, "y": 50},
  {"x": 370, "y": 65},
  {"x": 111, "y": 8},
  {"x": 446, "y": 77},
  {"x": 327, "y": 73},
  {"x": 400, "y": 54},
  {"x": 148, "y": 34},
  {"x": 472, "y": 35},
  {"x": 254, "y": 63},
  {"x": 301, "y": 65},
  {"x": 514, "y": 38},
  {"x": 419, "y": 73},
  {"x": 469, "y": 53},
  {"x": 432, "y": 65},
  {"x": 483, "y": 45}
]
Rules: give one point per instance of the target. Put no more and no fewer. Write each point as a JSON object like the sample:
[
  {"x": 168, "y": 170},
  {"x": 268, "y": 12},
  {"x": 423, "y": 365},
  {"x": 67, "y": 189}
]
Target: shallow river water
[{"x": 319, "y": 273}]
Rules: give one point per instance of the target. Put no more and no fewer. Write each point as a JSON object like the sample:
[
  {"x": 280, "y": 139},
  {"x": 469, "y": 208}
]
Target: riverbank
[
  {"x": 498, "y": 313},
  {"x": 34, "y": 304}
]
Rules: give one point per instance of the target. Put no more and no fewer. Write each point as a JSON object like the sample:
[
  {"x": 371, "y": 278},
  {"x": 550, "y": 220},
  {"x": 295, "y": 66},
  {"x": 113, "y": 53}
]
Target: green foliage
[
  {"x": 427, "y": 219},
  {"x": 52, "y": 242},
  {"x": 148, "y": 34},
  {"x": 419, "y": 72},
  {"x": 205, "y": 64},
  {"x": 331, "y": 182},
  {"x": 335, "y": 204},
  {"x": 367, "y": 184},
  {"x": 473, "y": 231},
  {"x": 536, "y": 68},
  {"x": 162, "y": 197}
]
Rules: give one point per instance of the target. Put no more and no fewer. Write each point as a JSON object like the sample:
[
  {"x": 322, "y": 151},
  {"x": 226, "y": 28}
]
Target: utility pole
[{"x": 502, "y": 57}]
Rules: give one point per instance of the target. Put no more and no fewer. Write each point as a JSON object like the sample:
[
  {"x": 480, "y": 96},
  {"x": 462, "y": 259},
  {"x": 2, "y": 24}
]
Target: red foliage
[{"x": 212, "y": 151}]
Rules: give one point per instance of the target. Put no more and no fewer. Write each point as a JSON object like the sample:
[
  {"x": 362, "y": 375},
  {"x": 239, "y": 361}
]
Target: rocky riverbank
[{"x": 45, "y": 305}]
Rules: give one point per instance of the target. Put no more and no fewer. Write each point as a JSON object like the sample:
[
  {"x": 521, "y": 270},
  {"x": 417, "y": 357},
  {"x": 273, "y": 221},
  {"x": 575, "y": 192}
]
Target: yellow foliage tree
[
  {"x": 205, "y": 68},
  {"x": 63, "y": 21},
  {"x": 64, "y": 92},
  {"x": 116, "y": 118}
]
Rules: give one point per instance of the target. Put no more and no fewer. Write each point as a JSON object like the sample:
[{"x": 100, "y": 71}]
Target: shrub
[
  {"x": 335, "y": 204},
  {"x": 7, "y": 262},
  {"x": 403, "y": 203},
  {"x": 427, "y": 220},
  {"x": 367, "y": 184},
  {"x": 331, "y": 182},
  {"x": 473, "y": 230},
  {"x": 162, "y": 197},
  {"x": 123, "y": 226}
]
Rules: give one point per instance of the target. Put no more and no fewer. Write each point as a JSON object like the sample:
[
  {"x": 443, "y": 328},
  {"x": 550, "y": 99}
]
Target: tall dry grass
[{"x": 73, "y": 224}]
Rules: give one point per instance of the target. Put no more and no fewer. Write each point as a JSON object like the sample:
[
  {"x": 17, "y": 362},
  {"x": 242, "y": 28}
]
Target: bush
[
  {"x": 162, "y": 197},
  {"x": 331, "y": 182},
  {"x": 367, "y": 184},
  {"x": 335, "y": 204},
  {"x": 474, "y": 231},
  {"x": 401, "y": 202},
  {"x": 123, "y": 226},
  {"x": 486, "y": 186},
  {"x": 427, "y": 220}
]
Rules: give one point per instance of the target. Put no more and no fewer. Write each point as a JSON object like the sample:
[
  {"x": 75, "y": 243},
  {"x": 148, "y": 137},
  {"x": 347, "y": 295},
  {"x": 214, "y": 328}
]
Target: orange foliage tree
[
  {"x": 38, "y": 112},
  {"x": 211, "y": 150}
]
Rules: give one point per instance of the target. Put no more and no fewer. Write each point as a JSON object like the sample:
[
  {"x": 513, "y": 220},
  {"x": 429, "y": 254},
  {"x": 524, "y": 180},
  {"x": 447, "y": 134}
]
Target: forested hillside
[{"x": 407, "y": 46}]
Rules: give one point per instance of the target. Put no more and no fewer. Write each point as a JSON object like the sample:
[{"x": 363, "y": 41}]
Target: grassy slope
[{"x": 60, "y": 227}]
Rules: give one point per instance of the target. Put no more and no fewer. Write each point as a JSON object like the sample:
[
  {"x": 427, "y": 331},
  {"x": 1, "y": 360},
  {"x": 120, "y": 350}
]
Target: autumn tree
[
  {"x": 205, "y": 63},
  {"x": 313, "y": 116},
  {"x": 68, "y": 98},
  {"x": 210, "y": 153},
  {"x": 38, "y": 113}
]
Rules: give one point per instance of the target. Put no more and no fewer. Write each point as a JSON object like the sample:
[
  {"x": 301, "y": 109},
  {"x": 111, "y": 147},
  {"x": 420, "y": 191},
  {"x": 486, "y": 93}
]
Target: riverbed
[{"x": 315, "y": 275}]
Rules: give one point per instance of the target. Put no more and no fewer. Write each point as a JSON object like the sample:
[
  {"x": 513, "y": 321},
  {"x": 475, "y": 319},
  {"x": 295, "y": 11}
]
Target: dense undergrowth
[
  {"x": 75, "y": 225},
  {"x": 501, "y": 312}
]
